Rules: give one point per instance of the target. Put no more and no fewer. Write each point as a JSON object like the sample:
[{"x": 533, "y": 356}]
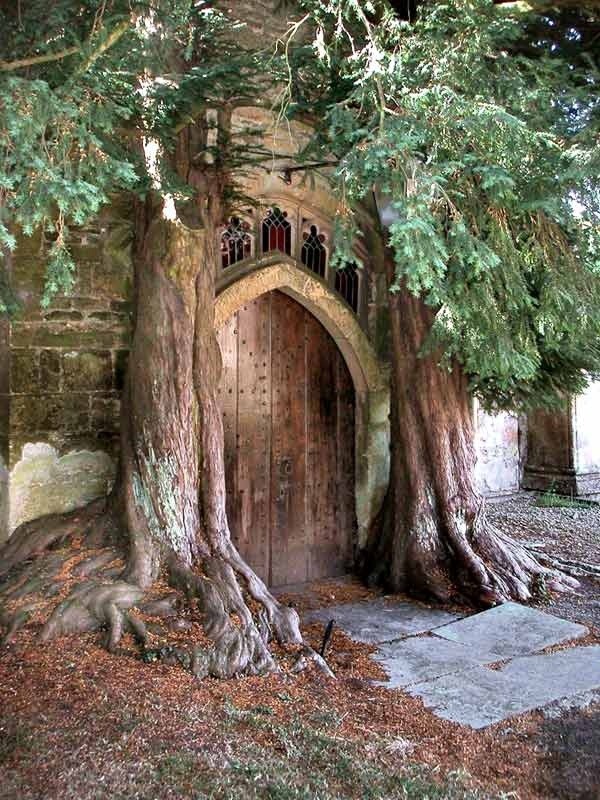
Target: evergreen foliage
[
  {"x": 478, "y": 124},
  {"x": 478, "y": 121},
  {"x": 83, "y": 84}
]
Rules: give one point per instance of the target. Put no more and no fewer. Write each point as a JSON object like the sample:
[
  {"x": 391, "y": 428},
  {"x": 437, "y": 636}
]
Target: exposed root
[
  {"x": 516, "y": 573},
  {"x": 576, "y": 569},
  {"x": 59, "y": 576},
  {"x": 479, "y": 563},
  {"x": 93, "y": 606},
  {"x": 38, "y": 536},
  {"x": 239, "y": 644},
  {"x": 308, "y": 656}
]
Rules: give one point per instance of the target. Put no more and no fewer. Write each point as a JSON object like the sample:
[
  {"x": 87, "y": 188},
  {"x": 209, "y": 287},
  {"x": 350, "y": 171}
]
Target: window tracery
[
  {"x": 347, "y": 282},
  {"x": 236, "y": 242},
  {"x": 276, "y": 231},
  {"x": 313, "y": 254}
]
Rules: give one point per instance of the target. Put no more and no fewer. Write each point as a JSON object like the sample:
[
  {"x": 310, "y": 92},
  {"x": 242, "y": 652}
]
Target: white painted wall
[
  {"x": 497, "y": 444},
  {"x": 586, "y": 429}
]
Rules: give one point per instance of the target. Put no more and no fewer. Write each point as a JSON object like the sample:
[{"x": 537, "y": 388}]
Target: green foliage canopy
[
  {"x": 479, "y": 125},
  {"x": 479, "y": 122},
  {"x": 83, "y": 83}
]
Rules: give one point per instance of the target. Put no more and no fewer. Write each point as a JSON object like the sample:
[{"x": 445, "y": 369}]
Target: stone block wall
[
  {"x": 586, "y": 442},
  {"x": 563, "y": 447},
  {"x": 61, "y": 374}
]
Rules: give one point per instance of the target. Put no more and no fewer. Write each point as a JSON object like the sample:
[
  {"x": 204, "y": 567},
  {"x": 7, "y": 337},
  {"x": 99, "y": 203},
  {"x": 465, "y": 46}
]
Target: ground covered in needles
[{"x": 78, "y": 722}]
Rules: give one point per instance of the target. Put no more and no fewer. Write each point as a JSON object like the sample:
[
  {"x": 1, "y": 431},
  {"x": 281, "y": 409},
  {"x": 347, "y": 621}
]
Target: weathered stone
[
  {"x": 109, "y": 317},
  {"x": 480, "y": 696},
  {"x": 381, "y": 621},
  {"x": 66, "y": 335},
  {"x": 4, "y": 357},
  {"x": 121, "y": 306},
  {"x": 50, "y": 370},
  {"x": 43, "y": 483},
  {"x": 87, "y": 370},
  {"x": 49, "y": 412},
  {"x": 4, "y": 493},
  {"x": 89, "y": 303},
  {"x": 111, "y": 280},
  {"x": 421, "y": 658},
  {"x": 24, "y": 371},
  {"x": 63, "y": 315},
  {"x": 105, "y": 413},
  {"x": 511, "y": 629}
]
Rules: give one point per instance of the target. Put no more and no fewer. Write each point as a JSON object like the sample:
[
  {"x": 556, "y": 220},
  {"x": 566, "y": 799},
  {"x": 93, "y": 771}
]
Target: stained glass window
[
  {"x": 236, "y": 242},
  {"x": 276, "y": 232},
  {"x": 346, "y": 283},
  {"x": 314, "y": 255}
]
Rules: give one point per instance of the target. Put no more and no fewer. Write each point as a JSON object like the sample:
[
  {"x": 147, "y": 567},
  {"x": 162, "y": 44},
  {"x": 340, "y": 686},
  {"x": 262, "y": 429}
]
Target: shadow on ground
[{"x": 571, "y": 767}]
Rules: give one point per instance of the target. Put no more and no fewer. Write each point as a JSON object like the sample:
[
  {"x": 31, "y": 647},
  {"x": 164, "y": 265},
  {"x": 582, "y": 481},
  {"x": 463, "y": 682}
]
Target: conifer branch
[
  {"x": 111, "y": 39},
  {"x": 10, "y": 66}
]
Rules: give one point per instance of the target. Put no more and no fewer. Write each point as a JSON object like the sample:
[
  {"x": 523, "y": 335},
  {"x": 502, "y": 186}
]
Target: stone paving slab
[
  {"x": 377, "y": 621},
  {"x": 481, "y": 696},
  {"x": 422, "y": 658},
  {"x": 511, "y": 630}
]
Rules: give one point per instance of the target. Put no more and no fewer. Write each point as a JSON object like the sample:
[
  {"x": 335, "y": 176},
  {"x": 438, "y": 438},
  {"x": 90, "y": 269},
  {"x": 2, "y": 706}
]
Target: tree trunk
[
  {"x": 172, "y": 482},
  {"x": 436, "y": 540},
  {"x": 169, "y": 498}
]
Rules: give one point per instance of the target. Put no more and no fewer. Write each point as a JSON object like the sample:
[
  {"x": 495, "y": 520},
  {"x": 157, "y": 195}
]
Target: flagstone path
[{"x": 475, "y": 670}]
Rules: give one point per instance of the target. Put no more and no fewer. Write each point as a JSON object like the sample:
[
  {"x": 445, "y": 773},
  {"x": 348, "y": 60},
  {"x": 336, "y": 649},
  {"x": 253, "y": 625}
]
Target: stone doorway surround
[{"x": 369, "y": 374}]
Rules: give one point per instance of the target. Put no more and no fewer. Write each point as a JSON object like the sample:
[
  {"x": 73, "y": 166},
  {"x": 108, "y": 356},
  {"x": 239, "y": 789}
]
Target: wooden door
[{"x": 288, "y": 407}]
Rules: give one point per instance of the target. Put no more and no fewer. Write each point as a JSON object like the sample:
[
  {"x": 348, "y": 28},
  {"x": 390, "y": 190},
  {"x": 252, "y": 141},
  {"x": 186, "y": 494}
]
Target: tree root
[
  {"x": 515, "y": 572},
  {"x": 58, "y": 575},
  {"x": 576, "y": 569},
  {"x": 477, "y": 563}
]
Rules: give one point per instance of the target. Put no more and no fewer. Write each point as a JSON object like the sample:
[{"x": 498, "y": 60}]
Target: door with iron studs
[{"x": 288, "y": 407}]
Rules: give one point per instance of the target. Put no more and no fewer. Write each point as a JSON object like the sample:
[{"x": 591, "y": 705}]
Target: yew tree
[
  {"x": 137, "y": 97},
  {"x": 472, "y": 125}
]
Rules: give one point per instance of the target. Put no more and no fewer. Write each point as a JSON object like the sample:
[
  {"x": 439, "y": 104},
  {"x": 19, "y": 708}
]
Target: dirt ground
[{"x": 78, "y": 723}]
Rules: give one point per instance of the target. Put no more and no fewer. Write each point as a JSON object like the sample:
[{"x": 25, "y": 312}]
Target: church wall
[
  {"x": 66, "y": 366},
  {"x": 498, "y": 469},
  {"x": 586, "y": 430}
]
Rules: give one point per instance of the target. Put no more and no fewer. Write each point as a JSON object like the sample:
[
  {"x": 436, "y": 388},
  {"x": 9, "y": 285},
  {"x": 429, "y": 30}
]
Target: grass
[
  {"x": 550, "y": 499},
  {"x": 302, "y": 760}
]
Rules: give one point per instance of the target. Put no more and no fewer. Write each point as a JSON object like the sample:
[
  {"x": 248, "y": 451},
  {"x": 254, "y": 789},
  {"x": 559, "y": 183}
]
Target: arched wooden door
[{"x": 288, "y": 406}]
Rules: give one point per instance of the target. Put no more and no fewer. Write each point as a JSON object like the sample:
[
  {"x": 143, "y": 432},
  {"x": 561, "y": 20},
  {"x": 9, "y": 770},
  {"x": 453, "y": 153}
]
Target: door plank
[
  {"x": 289, "y": 556},
  {"x": 254, "y": 434},
  {"x": 321, "y": 483},
  {"x": 345, "y": 460},
  {"x": 228, "y": 396}
]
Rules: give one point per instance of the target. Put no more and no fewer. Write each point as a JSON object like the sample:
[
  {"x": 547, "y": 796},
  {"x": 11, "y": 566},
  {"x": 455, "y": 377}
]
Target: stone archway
[{"x": 369, "y": 374}]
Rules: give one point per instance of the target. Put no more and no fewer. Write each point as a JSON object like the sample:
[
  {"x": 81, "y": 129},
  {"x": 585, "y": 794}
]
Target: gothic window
[
  {"x": 236, "y": 242},
  {"x": 346, "y": 283},
  {"x": 276, "y": 232},
  {"x": 314, "y": 255}
]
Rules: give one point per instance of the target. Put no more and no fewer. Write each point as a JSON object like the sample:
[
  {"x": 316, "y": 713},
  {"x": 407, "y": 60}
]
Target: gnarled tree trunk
[
  {"x": 436, "y": 540},
  {"x": 167, "y": 511}
]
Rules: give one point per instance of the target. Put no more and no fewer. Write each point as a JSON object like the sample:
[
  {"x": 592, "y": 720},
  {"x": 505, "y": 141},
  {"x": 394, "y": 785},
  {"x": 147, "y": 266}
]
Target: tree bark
[
  {"x": 172, "y": 481},
  {"x": 169, "y": 499},
  {"x": 436, "y": 540}
]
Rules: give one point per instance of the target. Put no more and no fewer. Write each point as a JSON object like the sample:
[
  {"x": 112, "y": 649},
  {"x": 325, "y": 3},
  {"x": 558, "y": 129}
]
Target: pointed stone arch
[{"x": 369, "y": 373}]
